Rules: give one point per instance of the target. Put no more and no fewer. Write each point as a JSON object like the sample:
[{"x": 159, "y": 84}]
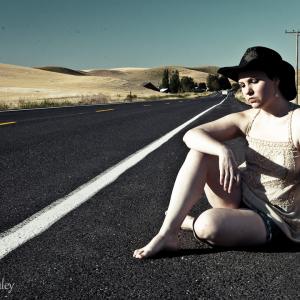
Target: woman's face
[{"x": 257, "y": 88}]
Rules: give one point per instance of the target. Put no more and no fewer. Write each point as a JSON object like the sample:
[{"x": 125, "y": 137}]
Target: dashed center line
[
  {"x": 42, "y": 220},
  {"x": 104, "y": 110},
  {"x": 7, "y": 123}
]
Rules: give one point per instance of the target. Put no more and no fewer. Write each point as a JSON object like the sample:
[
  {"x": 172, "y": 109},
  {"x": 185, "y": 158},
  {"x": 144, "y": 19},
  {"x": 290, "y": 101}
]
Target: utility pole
[{"x": 297, "y": 45}]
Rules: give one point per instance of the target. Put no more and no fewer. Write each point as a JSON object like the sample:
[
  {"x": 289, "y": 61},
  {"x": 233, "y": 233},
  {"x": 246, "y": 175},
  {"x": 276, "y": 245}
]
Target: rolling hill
[{"x": 40, "y": 83}]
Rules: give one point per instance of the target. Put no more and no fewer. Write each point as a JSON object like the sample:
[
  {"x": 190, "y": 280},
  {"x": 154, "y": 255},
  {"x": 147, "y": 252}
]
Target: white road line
[{"x": 41, "y": 221}]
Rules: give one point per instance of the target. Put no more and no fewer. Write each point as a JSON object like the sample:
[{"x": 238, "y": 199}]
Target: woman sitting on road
[{"x": 254, "y": 205}]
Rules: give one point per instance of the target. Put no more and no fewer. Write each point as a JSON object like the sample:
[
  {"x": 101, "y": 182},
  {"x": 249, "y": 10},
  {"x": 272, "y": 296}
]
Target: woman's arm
[
  {"x": 208, "y": 138},
  {"x": 296, "y": 128}
]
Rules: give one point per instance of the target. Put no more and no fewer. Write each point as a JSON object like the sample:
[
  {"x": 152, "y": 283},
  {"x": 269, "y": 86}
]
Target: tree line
[{"x": 174, "y": 84}]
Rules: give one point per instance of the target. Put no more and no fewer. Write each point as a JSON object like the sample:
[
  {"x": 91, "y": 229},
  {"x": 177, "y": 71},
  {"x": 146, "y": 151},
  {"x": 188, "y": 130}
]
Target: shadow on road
[{"x": 287, "y": 247}]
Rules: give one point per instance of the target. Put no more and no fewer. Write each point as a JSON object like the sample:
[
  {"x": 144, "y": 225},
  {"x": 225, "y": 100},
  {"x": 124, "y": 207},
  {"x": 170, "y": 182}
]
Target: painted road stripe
[
  {"x": 103, "y": 110},
  {"x": 54, "y": 107},
  {"x": 7, "y": 123},
  {"x": 41, "y": 221}
]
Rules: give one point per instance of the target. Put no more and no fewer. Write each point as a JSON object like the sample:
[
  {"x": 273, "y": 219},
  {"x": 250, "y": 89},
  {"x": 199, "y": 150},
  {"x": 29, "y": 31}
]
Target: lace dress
[{"x": 271, "y": 183}]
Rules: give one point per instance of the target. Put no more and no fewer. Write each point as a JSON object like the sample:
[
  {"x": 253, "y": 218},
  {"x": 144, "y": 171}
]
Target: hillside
[
  {"x": 137, "y": 76},
  {"x": 36, "y": 84},
  {"x": 206, "y": 69},
  {"x": 62, "y": 70}
]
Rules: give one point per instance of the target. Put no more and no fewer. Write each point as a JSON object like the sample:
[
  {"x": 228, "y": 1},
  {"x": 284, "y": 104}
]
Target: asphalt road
[{"x": 47, "y": 154}]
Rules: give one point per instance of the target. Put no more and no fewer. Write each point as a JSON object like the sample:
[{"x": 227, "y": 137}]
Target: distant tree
[
  {"x": 235, "y": 86},
  {"x": 212, "y": 82},
  {"x": 202, "y": 86},
  {"x": 209, "y": 81},
  {"x": 174, "y": 82},
  {"x": 165, "y": 84},
  {"x": 224, "y": 83},
  {"x": 187, "y": 84}
]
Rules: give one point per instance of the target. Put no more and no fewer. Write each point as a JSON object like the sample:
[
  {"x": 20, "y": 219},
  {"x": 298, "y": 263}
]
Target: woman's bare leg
[
  {"x": 225, "y": 224},
  {"x": 215, "y": 193},
  {"x": 187, "y": 223},
  {"x": 229, "y": 227},
  {"x": 187, "y": 190}
]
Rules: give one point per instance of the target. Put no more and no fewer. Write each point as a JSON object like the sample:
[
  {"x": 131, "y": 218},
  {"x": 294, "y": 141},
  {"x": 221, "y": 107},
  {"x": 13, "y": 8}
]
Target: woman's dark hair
[{"x": 272, "y": 74}]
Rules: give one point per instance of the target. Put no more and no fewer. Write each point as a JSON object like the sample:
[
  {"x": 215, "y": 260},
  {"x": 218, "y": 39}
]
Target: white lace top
[{"x": 271, "y": 183}]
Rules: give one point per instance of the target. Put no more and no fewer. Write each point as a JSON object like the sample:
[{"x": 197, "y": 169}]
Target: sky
[{"x": 95, "y": 34}]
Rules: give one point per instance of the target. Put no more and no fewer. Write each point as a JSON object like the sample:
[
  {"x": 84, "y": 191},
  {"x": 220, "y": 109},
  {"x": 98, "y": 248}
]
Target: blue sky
[{"x": 83, "y": 34}]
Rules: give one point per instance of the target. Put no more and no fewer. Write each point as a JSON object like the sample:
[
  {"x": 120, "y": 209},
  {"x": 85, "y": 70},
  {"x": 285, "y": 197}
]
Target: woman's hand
[{"x": 229, "y": 172}]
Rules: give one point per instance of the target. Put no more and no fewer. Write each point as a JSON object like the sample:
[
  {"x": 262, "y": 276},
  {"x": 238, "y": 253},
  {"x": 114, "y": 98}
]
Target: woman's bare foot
[
  {"x": 156, "y": 245},
  {"x": 187, "y": 223}
]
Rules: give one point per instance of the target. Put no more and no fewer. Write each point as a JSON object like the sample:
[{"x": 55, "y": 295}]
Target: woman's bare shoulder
[
  {"x": 243, "y": 118},
  {"x": 296, "y": 116},
  {"x": 248, "y": 113},
  {"x": 297, "y": 111},
  {"x": 296, "y": 126}
]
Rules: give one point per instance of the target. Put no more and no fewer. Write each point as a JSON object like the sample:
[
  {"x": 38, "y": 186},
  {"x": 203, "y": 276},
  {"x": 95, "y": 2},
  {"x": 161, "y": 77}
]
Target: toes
[
  {"x": 138, "y": 253},
  {"x": 141, "y": 253}
]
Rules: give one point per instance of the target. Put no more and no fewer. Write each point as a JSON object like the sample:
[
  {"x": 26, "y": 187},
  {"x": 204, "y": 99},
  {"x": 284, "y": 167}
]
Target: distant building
[{"x": 151, "y": 86}]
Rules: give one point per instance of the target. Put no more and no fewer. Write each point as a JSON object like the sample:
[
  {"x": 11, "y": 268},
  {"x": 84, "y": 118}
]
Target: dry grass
[
  {"x": 207, "y": 69},
  {"x": 239, "y": 96},
  {"x": 20, "y": 85}
]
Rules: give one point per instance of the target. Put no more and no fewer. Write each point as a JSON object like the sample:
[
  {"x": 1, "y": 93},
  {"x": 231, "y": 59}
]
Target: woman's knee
[
  {"x": 208, "y": 226},
  {"x": 230, "y": 227}
]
